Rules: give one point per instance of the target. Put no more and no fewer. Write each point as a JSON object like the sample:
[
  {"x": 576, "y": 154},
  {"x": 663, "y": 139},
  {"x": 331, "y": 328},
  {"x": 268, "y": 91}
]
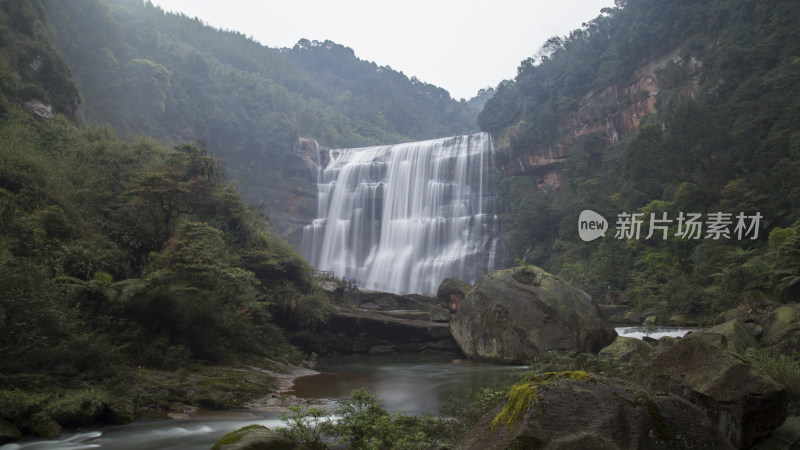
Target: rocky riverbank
[{"x": 248, "y": 383}]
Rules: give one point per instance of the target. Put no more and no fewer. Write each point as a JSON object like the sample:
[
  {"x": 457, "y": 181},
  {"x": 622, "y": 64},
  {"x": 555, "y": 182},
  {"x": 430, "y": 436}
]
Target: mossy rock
[
  {"x": 254, "y": 437},
  {"x": 735, "y": 313},
  {"x": 782, "y": 324},
  {"x": 44, "y": 426},
  {"x": 738, "y": 338},
  {"x": 751, "y": 403},
  {"x": 506, "y": 320},
  {"x": 632, "y": 317},
  {"x": 581, "y": 410},
  {"x": 625, "y": 349}
]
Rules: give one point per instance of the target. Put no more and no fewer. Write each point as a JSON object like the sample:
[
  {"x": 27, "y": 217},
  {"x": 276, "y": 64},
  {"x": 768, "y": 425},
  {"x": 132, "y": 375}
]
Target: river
[{"x": 414, "y": 383}]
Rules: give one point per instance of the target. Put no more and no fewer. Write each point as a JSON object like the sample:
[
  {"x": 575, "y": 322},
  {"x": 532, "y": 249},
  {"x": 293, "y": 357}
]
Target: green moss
[
  {"x": 519, "y": 399},
  {"x": 525, "y": 276},
  {"x": 234, "y": 436},
  {"x": 523, "y": 393}
]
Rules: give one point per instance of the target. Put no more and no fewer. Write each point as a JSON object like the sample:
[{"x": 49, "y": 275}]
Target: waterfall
[{"x": 401, "y": 218}]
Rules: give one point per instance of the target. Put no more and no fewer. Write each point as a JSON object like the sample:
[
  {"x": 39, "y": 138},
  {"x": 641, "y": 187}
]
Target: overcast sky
[{"x": 460, "y": 45}]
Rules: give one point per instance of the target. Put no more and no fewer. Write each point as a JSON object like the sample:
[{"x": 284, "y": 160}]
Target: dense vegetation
[
  {"x": 171, "y": 77},
  {"x": 724, "y": 139},
  {"x": 117, "y": 254}
]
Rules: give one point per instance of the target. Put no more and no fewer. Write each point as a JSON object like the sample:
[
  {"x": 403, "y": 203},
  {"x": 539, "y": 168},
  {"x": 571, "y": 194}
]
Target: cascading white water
[{"x": 401, "y": 218}]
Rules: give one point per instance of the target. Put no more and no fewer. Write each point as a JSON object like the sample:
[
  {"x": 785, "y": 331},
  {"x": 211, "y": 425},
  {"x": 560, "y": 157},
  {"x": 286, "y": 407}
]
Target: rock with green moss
[
  {"x": 514, "y": 314},
  {"x": 738, "y": 338},
  {"x": 254, "y": 437},
  {"x": 44, "y": 426},
  {"x": 751, "y": 404},
  {"x": 782, "y": 328},
  {"x": 625, "y": 349},
  {"x": 736, "y": 313},
  {"x": 581, "y": 410}
]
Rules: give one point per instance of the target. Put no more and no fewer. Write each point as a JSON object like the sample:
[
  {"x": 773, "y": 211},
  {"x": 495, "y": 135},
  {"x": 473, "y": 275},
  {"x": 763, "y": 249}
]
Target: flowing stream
[{"x": 414, "y": 383}]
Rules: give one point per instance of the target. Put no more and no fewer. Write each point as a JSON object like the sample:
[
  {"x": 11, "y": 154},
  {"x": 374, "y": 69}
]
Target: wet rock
[
  {"x": 451, "y": 293},
  {"x": 579, "y": 410},
  {"x": 752, "y": 404},
  {"x": 625, "y": 349},
  {"x": 514, "y": 314}
]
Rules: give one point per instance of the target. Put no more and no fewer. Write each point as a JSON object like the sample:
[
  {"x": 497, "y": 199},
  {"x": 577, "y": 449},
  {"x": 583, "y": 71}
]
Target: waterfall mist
[{"x": 401, "y": 218}]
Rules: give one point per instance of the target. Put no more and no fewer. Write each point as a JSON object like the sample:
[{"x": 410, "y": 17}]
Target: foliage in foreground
[{"x": 360, "y": 422}]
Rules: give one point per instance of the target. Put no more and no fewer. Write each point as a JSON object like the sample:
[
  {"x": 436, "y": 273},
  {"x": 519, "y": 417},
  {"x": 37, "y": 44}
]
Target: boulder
[
  {"x": 451, "y": 293},
  {"x": 8, "y": 432},
  {"x": 736, "y": 313},
  {"x": 738, "y": 337},
  {"x": 751, "y": 403},
  {"x": 633, "y": 317},
  {"x": 44, "y": 426},
  {"x": 121, "y": 411},
  {"x": 254, "y": 437},
  {"x": 782, "y": 327},
  {"x": 579, "y": 410},
  {"x": 786, "y": 437},
  {"x": 625, "y": 349},
  {"x": 512, "y": 315},
  {"x": 440, "y": 314}
]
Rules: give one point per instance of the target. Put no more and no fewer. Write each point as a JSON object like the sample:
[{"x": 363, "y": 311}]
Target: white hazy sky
[{"x": 460, "y": 45}]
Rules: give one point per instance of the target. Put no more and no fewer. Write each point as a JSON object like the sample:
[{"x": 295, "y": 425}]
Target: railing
[{"x": 323, "y": 274}]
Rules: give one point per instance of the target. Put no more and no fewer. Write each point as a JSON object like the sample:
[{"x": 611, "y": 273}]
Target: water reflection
[{"x": 414, "y": 383}]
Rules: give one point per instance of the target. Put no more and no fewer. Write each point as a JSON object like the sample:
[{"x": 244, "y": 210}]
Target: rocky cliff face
[
  {"x": 296, "y": 205},
  {"x": 615, "y": 112}
]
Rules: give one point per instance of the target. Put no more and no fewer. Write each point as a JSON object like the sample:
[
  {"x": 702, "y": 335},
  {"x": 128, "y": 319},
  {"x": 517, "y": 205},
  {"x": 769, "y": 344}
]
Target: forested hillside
[
  {"x": 169, "y": 76},
  {"x": 722, "y": 135},
  {"x": 117, "y": 254}
]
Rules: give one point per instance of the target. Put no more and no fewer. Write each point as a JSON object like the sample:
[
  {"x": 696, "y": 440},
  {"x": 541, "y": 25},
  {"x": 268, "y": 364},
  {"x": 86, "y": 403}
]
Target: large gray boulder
[
  {"x": 626, "y": 349},
  {"x": 576, "y": 410},
  {"x": 737, "y": 336},
  {"x": 750, "y": 403},
  {"x": 512, "y": 315}
]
